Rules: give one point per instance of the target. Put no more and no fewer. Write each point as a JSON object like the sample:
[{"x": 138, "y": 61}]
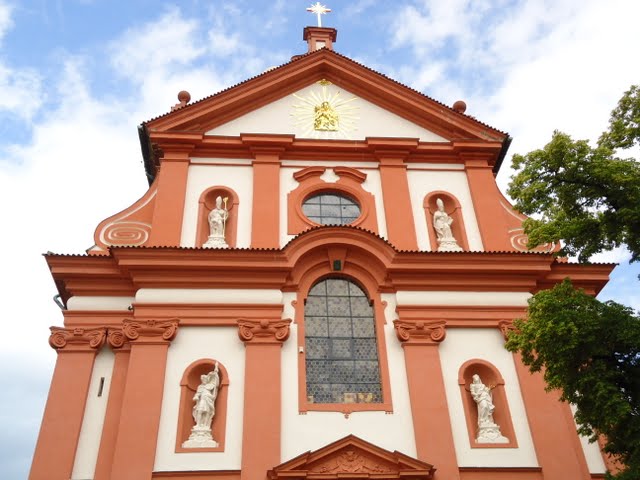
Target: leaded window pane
[
  {"x": 340, "y": 344},
  {"x": 331, "y": 209}
]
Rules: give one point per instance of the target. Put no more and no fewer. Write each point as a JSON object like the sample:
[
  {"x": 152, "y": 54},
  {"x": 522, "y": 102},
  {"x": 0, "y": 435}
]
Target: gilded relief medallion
[{"x": 325, "y": 113}]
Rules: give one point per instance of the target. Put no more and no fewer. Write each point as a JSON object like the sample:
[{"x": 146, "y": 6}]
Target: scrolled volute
[
  {"x": 424, "y": 331},
  {"x": 77, "y": 338},
  {"x": 263, "y": 330},
  {"x": 150, "y": 330}
]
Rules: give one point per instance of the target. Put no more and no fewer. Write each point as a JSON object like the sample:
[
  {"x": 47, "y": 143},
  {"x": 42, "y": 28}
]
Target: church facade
[{"x": 317, "y": 284}]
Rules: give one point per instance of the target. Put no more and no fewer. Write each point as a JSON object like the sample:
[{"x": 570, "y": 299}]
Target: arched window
[{"x": 341, "y": 351}]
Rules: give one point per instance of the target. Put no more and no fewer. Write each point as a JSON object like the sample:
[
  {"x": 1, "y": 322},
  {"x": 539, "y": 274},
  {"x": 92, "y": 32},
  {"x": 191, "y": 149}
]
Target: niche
[
  {"x": 453, "y": 209},
  {"x": 490, "y": 376},
  {"x": 188, "y": 386},
  {"x": 206, "y": 203}
]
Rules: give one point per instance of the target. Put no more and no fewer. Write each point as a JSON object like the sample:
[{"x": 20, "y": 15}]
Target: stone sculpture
[
  {"x": 204, "y": 411},
  {"x": 442, "y": 225},
  {"x": 217, "y": 225},
  {"x": 488, "y": 430}
]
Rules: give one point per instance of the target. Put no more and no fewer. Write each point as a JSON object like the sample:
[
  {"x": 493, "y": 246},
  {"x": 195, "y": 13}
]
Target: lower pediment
[{"x": 352, "y": 458}]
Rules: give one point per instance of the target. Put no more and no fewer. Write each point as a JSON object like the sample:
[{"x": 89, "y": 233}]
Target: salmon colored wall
[
  {"x": 429, "y": 407},
  {"x": 265, "y": 220},
  {"x": 58, "y": 439},
  {"x": 401, "y": 228}
]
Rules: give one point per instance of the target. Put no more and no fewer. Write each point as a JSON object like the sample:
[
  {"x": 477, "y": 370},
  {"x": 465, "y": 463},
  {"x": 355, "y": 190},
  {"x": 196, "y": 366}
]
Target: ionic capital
[
  {"x": 263, "y": 331},
  {"x": 420, "y": 332},
  {"x": 147, "y": 331},
  {"x": 505, "y": 327},
  {"x": 77, "y": 339}
]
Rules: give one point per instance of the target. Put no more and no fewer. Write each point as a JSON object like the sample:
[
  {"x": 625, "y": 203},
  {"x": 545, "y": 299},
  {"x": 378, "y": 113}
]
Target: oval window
[{"x": 331, "y": 208}]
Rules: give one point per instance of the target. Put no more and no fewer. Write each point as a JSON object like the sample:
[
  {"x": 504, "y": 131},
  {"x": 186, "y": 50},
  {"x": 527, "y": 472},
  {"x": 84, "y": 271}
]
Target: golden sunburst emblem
[{"x": 325, "y": 113}]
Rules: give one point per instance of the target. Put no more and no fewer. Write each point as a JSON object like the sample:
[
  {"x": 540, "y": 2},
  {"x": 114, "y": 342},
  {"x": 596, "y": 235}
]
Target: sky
[{"x": 78, "y": 76}]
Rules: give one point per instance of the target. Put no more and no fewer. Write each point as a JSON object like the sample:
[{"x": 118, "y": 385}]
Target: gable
[
  {"x": 349, "y": 117},
  {"x": 351, "y": 458}
]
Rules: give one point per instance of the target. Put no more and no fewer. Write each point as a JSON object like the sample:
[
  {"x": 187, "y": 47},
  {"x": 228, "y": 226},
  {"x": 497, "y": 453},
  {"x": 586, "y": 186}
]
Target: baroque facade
[{"x": 316, "y": 285}]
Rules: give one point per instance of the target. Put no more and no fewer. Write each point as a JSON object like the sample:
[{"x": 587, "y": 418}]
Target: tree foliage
[
  {"x": 590, "y": 351},
  {"x": 585, "y": 196},
  {"x": 589, "y": 198}
]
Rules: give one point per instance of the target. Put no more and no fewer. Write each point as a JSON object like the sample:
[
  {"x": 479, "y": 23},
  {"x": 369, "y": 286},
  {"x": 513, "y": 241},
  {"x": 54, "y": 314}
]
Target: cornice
[{"x": 77, "y": 339}]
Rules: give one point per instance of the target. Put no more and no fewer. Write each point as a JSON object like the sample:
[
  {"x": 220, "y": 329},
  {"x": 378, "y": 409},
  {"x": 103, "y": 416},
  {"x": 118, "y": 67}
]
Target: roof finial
[{"x": 319, "y": 10}]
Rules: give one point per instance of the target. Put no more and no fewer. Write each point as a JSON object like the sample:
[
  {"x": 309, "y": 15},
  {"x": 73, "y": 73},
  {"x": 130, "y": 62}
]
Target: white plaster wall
[
  {"x": 512, "y": 299},
  {"x": 200, "y": 178},
  {"x": 209, "y": 295},
  {"x": 372, "y": 185},
  {"x": 99, "y": 303},
  {"x": 91, "y": 431},
  {"x": 487, "y": 344},
  {"x": 191, "y": 344},
  {"x": 592, "y": 454},
  {"x": 301, "y": 433},
  {"x": 422, "y": 182},
  {"x": 369, "y": 120}
]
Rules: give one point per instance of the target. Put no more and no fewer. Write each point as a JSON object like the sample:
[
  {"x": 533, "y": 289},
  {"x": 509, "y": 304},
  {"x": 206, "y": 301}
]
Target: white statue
[
  {"x": 442, "y": 224},
  {"x": 217, "y": 225},
  {"x": 488, "y": 430},
  {"x": 204, "y": 411}
]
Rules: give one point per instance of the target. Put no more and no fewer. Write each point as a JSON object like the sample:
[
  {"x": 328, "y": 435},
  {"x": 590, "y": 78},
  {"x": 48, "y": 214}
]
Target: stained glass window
[
  {"x": 331, "y": 208},
  {"x": 341, "y": 349}
]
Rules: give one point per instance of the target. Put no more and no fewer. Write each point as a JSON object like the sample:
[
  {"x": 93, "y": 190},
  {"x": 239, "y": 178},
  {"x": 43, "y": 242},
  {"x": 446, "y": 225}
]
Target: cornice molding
[
  {"x": 263, "y": 331},
  {"x": 420, "y": 332},
  {"x": 77, "y": 339}
]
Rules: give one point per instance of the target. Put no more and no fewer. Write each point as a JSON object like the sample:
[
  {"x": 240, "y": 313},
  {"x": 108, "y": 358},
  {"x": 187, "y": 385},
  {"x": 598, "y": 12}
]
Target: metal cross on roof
[{"x": 319, "y": 10}]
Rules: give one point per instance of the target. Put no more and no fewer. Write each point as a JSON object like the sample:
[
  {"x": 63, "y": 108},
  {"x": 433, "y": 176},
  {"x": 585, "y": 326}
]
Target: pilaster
[
  {"x": 401, "y": 228},
  {"x": 431, "y": 422},
  {"x": 122, "y": 350},
  {"x": 262, "y": 395},
  {"x": 169, "y": 203},
  {"x": 135, "y": 447},
  {"x": 58, "y": 439}
]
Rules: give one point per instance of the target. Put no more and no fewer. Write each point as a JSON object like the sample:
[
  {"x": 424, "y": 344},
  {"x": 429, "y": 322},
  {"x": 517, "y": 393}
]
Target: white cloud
[{"x": 5, "y": 19}]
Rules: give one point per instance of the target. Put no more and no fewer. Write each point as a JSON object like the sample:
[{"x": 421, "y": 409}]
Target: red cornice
[{"x": 128, "y": 268}]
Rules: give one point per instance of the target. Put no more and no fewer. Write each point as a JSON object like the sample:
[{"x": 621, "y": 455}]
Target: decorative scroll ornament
[
  {"x": 204, "y": 410},
  {"x": 150, "y": 330},
  {"x": 77, "y": 338},
  {"x": 433, "y": 331},
  {"x": 519, "y": 241},
  {"x": 488, "y": 430},
  {"x": 116, "y": 338},
  {"x": 351, "y": 461},
  {"x": 263, "y": 330},
  {"x": 506, "y": 326},
  {"x": 126, "y": 233}
]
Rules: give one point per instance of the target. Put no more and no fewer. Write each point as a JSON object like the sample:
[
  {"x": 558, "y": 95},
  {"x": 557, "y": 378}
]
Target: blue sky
[{"x": 78, "y": 76}]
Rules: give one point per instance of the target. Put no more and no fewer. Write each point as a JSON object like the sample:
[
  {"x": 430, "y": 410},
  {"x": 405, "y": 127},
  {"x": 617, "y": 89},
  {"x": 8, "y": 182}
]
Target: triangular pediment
[
  {"x": 352, "y": 457},
  {"x": 222, "y": 113}
]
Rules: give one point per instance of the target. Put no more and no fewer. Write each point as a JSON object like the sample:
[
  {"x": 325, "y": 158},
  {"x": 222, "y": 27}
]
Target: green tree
[
  {"x": 590, "y": 351},
  {"x": 589, "y": 198},
  {"x": 585, "y": 196}
]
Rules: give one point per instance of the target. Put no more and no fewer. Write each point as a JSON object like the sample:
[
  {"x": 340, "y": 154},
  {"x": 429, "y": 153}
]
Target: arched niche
[
  {"x": 206, "y": 203},
  {"x": 453, "y": 209},
  {"x": 188, "y": 386},
  {"x": 490, "y": 376}
]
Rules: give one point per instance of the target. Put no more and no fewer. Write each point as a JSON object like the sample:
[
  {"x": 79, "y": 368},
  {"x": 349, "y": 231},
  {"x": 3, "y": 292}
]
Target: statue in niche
[
  {"x": 204, "y": 411},
  {"x": 488, "y": 430},
  {"x": 217, "y": 225},
  {"x": 442, "y": 225}
]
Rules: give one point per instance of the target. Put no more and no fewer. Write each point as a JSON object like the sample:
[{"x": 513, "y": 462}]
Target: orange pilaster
[
  {"x": 169, "y": 202},
  {"x": 429, "y": 408},
  {"x": 121, "y": 350},
  {"x": 552, "y": 427},
  {"x": 135, "y": 448},
  {"x": 401, "y": 229},
  {"x": 490, "y": 214},
  {"x": 262, "y": 422},
  {"x": 58, "y": 439},
  {"x": 265, "y": 226}
]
